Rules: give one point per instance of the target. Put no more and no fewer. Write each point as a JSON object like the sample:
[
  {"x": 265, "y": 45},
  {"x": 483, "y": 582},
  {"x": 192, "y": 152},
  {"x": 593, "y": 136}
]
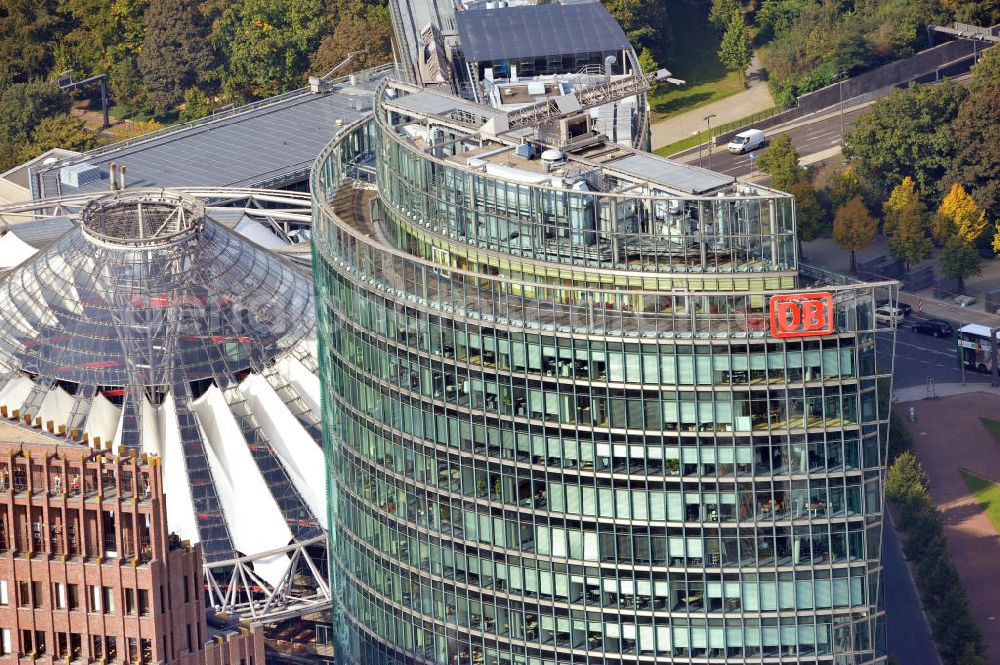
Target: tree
[
  {"x": 647, "y": 61},
  {"x": 903, "y": 196},
  {"x": 22, "y": 107},
  {"x": 810, "y": 217},
  {"x": 905, "y": 479},
  {"x": 721, "y": 13},
  {"x": 127, "y": 89},
  {"x": 904, "y": 220},
  {"x": 735, "y": 50},
  {"x": 909, "y": 243},
  {"x": 267, "y": 43},
  {"x": 959, "y": 216},
  {"x": 846, "y": 186},
  {"x": 977, "y": 138},
  {"x": 959, "y": 260},
  {"x": 196, "y": 105},
  {"x": 986, "y": 72},
  {"x": 854, "y": 227},
  {"x": 62, "y": 131},
  {"x": 906, "y": 133},
  {"x": 355, "y": 26},
  {"x": 781, "y": 160},
  {"x": 29, "y": 27},
  {"x": 175, "y": 54}
]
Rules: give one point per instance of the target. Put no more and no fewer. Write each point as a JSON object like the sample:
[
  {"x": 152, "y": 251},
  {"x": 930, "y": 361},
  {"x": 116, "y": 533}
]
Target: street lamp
[
  {"x": 708, "y": 119},
  {"x": 840, "y": 87}
]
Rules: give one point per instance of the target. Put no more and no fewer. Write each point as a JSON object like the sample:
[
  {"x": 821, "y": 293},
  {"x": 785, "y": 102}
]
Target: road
[
  {"x": 922, "y": 357},
  {"x": 808, "y": 139}
]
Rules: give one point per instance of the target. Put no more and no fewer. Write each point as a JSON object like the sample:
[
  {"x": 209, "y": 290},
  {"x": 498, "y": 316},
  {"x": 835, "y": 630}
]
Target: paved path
[
  {"x": 949, "y": 436},
  {"x": 906, "y": 631},
  {"x": 754, "y": 99}
]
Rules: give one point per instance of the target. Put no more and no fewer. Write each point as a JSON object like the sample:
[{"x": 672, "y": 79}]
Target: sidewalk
[{"x": 754, "y": 99}]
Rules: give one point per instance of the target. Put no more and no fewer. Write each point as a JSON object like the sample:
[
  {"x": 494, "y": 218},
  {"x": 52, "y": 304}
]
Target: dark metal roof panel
[{"x": 532, "y": 31}]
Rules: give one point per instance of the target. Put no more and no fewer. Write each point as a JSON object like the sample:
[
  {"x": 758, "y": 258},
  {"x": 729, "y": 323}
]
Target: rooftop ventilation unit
[{"x": 78, "y": 175}]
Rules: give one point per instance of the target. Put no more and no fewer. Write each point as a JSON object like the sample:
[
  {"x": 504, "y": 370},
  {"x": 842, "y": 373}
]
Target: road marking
[{"x": 924, "y": 349}]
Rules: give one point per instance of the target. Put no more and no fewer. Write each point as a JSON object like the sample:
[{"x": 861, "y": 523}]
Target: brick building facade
[{"x": 89, "y": 572}]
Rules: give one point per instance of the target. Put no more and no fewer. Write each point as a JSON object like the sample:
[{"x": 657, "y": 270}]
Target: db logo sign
[{"x": 801, "y": 314}]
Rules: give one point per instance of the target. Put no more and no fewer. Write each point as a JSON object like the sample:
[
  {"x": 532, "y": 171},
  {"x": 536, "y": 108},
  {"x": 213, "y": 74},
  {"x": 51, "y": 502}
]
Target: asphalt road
[
  {"x": 807, "y": 139},
  {"x": 922, "y": 357}
]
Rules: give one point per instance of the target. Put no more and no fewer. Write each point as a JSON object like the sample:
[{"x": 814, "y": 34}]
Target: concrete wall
[{"x": 953, "y": 58}]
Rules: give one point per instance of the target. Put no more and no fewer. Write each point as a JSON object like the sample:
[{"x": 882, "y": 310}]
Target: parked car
[
  {"x": 907, "y": 310},
  {"x": 746, "y": 141},
  {"x": 889, "y": 316},
  {"x": 933, "y": 327}
]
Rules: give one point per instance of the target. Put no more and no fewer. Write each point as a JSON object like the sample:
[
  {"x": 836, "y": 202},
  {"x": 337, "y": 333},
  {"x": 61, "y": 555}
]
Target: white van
[{"x": 746, "y": 141}]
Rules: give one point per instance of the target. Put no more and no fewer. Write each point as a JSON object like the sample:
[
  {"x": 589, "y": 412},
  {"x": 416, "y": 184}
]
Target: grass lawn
[
  {"x": 694, "y": 59},
  {"x": 987, "y": 493},
  {"x": 993, "y": 426}
]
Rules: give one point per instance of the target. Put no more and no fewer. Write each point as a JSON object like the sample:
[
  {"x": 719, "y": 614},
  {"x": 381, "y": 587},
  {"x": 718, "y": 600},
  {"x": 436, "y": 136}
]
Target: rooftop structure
[
  {"x": 89, "y": 571},
  {"x": 515, "y": 54},
  {"x": 153, "y": 323},
  {"x": 575, "y": 411},
  {"x": 270, "y": 143}
]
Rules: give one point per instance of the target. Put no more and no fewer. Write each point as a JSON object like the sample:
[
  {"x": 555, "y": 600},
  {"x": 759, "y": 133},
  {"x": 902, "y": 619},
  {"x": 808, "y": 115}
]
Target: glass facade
[{"x": 559, "y": 431}]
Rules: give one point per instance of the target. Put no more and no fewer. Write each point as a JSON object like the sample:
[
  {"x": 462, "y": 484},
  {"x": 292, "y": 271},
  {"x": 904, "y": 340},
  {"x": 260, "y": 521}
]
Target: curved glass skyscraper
[{"x": 581, "y": 406}]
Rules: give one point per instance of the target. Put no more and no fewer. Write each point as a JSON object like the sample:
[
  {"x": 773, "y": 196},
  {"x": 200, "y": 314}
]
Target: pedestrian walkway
[
  {"x": 948, "y": 438},
  {"x": 941, "y": 390},
  {"x": 754, "y": 99}
]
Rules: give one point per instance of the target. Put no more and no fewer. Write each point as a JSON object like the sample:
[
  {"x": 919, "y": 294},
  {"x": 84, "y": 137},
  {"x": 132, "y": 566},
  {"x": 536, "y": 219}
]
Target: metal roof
[
  {"x": 271, "y": 143},
  {"x": 674, "y": 175},
  {"x": 531, "y": 31}
]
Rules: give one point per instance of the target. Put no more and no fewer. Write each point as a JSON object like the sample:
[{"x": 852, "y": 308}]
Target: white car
[
  {"x": 889, "y": 315},
  {"x": 747, "y": 141}
]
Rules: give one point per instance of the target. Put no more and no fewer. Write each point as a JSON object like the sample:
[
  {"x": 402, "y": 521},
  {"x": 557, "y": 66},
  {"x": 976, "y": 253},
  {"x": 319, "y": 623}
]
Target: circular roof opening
[{"x": 142, "y": 218}]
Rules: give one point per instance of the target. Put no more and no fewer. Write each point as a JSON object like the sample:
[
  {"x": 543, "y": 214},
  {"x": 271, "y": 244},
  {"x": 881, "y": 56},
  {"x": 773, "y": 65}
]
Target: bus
[{"x": 974, "y": 347}]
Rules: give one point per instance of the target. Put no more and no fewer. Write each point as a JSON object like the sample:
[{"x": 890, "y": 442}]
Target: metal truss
[{"x": 234, "y": 587}]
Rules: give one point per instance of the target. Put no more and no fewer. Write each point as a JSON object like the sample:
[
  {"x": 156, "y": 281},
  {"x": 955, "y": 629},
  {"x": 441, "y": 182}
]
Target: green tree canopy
[
  {"x": 781, "y": 160},
  {"x": 735, "y": 50},
  {"x": 22, "y": 107},
  {"x": 267, "y": 43},
  {"x": 977, "y": 138},
  {"x": 810, "y": 218},
  {"x": 721, "y": 13},
  {"x": 986, "y": 72},
  {"x": 175, "y": 54},
  {"x": 61, "y": 131},
  {"x": 854, "y": 228},
  {"x": 906, "y": 133},
  {"x": 28, "y": 29},
  {"x": 196, "y": 105},
  {"x": 960, "y": 260}
]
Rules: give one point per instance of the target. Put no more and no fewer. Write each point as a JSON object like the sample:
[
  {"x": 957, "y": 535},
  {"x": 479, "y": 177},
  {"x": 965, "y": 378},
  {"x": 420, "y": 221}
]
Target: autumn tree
[
  {"x": 960, "y": 217},
  {"x": 781, "y": 160},
  {"x": 354, "y": 26},
  {"x": 735, "y": 50},
  {"x": 909, "y": 242},
  {"x": 903, "y": 196},
  {"x": 854, "y": 228},
  {"x": 175, "y": 54}
]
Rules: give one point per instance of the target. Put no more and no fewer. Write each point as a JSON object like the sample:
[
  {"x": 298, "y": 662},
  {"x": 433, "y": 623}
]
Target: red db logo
[{"x": 801, "y": 314}]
